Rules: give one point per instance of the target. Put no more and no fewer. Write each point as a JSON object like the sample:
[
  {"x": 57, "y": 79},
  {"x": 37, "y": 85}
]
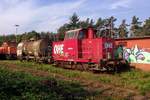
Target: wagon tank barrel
[{"x": 37, "y": 50}]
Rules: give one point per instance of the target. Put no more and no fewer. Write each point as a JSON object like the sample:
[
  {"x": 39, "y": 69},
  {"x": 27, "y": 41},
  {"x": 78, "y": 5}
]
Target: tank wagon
[
  {"x": 8, "y": 50},
  {"x": 35, "y": 50},
  {"x": 82, "y": 49}
]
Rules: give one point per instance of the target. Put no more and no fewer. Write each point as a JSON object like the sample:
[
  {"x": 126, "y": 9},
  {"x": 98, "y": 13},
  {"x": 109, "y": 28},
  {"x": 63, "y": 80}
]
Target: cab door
[{"x": 82, "y": 36}]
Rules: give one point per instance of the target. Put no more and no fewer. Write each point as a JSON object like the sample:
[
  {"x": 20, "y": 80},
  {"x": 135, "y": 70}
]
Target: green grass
[
  {"x": 18, "y": 86},
  {"x": 133, "y": 79},
  {"x": 136, "y": 79}
]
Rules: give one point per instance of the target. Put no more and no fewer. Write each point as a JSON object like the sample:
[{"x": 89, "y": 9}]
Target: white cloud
[
  {"x": 120, "y": 3},
  {"x": 32, "y": 17}
]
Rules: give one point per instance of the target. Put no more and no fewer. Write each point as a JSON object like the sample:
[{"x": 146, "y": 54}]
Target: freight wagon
[
  {"x": 8, "y": 50},
  {"x": 136, "y": 51},
  {"x": 33, "y": 50}
]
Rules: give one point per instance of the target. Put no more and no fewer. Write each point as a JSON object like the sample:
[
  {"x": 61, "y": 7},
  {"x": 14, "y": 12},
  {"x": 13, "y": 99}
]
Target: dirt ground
[{"x": 106, "y": 90}]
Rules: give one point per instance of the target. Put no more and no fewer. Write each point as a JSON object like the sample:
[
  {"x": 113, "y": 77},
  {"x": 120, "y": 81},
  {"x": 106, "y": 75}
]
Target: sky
[{"x": 49, "y": 15}]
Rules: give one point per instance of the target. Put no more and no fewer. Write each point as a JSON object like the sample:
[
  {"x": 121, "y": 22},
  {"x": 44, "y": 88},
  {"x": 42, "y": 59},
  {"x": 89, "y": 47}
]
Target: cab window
[
  {"x": 70, "y": 35},
  {"x": 81, "y": 35}
]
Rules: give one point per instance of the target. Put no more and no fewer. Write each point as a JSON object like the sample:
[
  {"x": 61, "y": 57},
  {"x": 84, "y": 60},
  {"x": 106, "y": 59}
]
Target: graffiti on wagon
[{"x": 136, "y": 55}]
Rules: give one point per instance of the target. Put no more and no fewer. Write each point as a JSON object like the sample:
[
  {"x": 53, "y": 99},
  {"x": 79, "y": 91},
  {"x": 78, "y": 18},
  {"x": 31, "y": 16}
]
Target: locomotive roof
[
  {"x": 134, "y": 38},
  {"x": 74, "y": 30}
]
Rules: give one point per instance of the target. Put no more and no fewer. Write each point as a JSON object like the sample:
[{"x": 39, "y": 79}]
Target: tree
[
  {"x": 123, "y": 29},
  {"x": 100, "y": 27},
  {"x": 110, "y": 26},
  {"x": 91, "y": 23},
  {"x": 61, "y": 31},
  {"x": 146, "y": 27},
  {"x": 33, "y": 34},
  {"x": 105, "y": 27},
  {"x": 87, "y": 21},
  {"x": 74, "y": 21},
  {"x": 100, "y": 23},
  {"x": 84, "y": 24},
  {"x": 136, "y": 28}
]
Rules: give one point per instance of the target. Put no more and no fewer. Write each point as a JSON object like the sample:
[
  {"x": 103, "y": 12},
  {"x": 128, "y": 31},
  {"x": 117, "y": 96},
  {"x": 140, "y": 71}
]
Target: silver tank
[{"x": 32, "y": 49}]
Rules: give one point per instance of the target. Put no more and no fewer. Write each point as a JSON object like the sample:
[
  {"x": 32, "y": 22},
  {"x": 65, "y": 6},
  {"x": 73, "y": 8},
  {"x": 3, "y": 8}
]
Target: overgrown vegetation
[
  {"x": 133, "y": 79},
  {"x": 19, "y": 85}
]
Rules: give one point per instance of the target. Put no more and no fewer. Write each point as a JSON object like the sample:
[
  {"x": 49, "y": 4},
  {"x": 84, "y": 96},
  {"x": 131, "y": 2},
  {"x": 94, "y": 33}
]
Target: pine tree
[
  {"x": 87, "y": 21},
  {"x": 110, "y": 26},
  {"x": 85, "y": 24},
  {"x": 146, "y": 27},
  {"x": 91, "y": 23},
  {"x": 136, "y": 28},
  {"x": 74, "y": 21},
  {"x": 123, "y": 29},
  {"x": 100, "y": 23}
]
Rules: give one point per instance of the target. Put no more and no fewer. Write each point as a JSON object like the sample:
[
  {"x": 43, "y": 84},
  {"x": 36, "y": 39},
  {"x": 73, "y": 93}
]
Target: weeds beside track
[{"x": 126, "y": 84}]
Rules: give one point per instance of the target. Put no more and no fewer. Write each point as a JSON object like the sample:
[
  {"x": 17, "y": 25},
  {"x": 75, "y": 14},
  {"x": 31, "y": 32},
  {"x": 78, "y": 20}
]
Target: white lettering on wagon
[
  {"x": 59, "y": 49},
  {"x": 108, "y": 45}
]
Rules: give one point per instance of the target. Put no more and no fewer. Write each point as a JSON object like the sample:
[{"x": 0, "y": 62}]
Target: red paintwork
[
  {"x": 89, "y": 49},
  {"x": 8, "y": 49}
]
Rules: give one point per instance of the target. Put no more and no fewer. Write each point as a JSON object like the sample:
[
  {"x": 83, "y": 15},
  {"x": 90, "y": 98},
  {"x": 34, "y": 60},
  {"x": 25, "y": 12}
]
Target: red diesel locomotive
[{"x": 81, "y": 48}]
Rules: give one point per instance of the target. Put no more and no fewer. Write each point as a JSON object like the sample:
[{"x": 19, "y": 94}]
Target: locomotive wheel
[
  {"x": 55, "y": 63},
  {"x": 82, "y": 67},
  {"x": 73, "y": 66},
  {"x": 109, "y": 66}
]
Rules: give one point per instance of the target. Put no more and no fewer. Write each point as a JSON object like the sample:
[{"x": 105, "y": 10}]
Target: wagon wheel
[
  {"x": 27, "y": 58},
  {"x": 36, "y": 60},
  {"x": 123, "y": 65},
  {"x": 8, "y": 57},
  {"x": 21, "y": 58}
]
